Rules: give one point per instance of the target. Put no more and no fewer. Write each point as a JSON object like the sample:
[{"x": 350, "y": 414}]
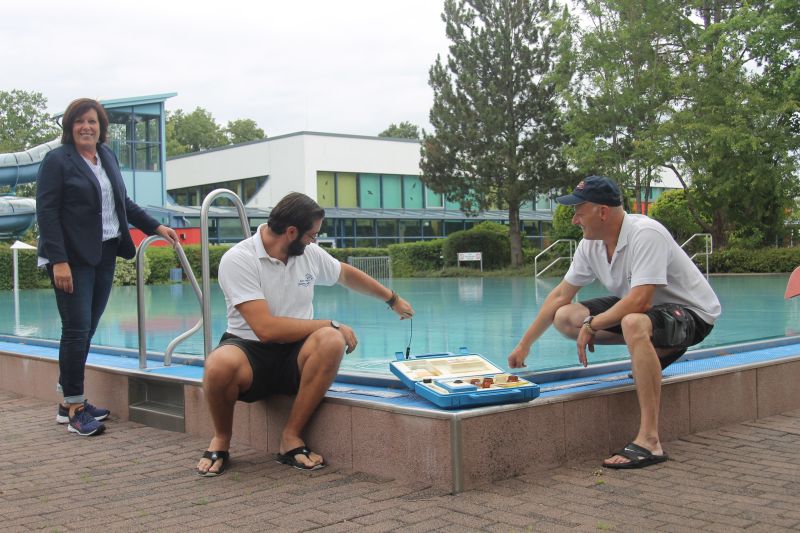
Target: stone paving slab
[{"x": 744, "y": 477}]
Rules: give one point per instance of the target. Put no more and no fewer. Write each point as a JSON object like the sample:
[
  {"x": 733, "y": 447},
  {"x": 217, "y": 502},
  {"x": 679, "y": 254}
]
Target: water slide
[{"x": 17, "y": 214}]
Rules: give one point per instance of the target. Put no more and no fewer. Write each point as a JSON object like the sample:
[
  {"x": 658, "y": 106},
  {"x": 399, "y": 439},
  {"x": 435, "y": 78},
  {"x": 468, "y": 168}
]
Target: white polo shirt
[
  {"x": 247, "y": 272},
  {"x": 646, "y": 254}
]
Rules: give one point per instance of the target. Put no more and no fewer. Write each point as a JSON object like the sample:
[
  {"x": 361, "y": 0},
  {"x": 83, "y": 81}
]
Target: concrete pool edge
[{"x": 460, "y": 450}]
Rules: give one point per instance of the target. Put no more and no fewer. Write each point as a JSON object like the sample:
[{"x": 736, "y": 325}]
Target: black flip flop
[
  {"x": 288, "y": 459},
  {"x": 637, "y": 457},
  {"x": 214, "y": 457}
]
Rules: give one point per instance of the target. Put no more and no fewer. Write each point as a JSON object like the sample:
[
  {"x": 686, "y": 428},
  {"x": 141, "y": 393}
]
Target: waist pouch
[{"x": 672, "y": 327}]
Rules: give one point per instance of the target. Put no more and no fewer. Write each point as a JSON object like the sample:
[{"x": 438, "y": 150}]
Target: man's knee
[
  {"x": 222, "y": 365},
  {"x": 326, "y": 346},
  {"x": 568, "y": 318},
  {"x": 636, "y": 326}
]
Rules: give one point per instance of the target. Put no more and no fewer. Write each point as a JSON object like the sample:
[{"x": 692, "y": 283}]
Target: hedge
[
  {"x": 408, "y": 259},
  {"x": 495, "y": 247},
  {"x": 415, "y": 258}
]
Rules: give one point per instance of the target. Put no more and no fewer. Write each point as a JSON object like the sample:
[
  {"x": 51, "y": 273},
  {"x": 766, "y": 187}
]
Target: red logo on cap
[{"x": 581, "y": 185}]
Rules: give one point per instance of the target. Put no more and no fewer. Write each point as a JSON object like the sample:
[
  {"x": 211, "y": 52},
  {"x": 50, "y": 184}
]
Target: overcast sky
[{"x": 346, "y": 66}]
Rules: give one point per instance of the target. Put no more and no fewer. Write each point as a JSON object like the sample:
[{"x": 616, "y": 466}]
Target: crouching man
[
  {"x": 273, "y": 343},
  {"x": 660, "y": 305}
]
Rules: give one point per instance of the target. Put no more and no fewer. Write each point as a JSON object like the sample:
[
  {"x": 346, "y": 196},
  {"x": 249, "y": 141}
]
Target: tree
[
  {"x": 626, "y": 72},
  {"x": 732, "y": 134},
  {"x": 243, "y": 130},
  {"x": 496, "y": 112},
  {"x": 25, "y": 121},
  {"x": 193, "y": 132},
  {"x": 404, "y": 130}
]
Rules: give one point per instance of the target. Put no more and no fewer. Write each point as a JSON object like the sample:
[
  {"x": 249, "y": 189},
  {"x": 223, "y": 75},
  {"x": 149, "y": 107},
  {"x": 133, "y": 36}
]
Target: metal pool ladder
[
  {"x": 205, "y": 302},
  {"x": 709, "y": 241},
  {"x": 572, "y": 245}
]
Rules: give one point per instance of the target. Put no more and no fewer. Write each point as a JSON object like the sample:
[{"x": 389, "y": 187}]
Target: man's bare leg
[
  {"x": 638, "y": 329},
  {"x": 318, "y": 361},
  {"x": 227, "y": 374}
]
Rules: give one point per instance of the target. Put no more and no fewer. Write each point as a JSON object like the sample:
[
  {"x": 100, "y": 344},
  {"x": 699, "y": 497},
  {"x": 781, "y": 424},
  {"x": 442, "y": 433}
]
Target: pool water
[{"x": 488, "y": 316}]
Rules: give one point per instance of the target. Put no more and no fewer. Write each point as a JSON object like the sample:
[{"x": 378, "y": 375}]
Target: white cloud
[{"x": 352, "y": 66}]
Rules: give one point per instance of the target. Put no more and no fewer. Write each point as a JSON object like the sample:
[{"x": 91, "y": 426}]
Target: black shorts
[
  {"x": 674, "y": 326},
  {"x": 274, "y": 366}
]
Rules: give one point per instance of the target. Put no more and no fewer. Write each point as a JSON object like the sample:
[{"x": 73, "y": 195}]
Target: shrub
[
  {"x": 490, "y": 225},
  {"x": 160, "y": 260},
  {"x": 496, "y": 248},
  {"x": 416, "y": 257},
  {"x": 343, "y": 253},
  {"x": 30, "y": 275},
  {"x": 672, "y": 210},
  {"x": 125, "y": 271},
  {"x": 563, "y": 228}
]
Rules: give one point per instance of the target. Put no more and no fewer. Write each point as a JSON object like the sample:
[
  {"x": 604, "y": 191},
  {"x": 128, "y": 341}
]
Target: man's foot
[
  {"x": 209, "y": 467},
  {"x": 307, "y": 460},
  {"x": 293, "y": 458},
  {"x": 635, "y": 456},
  {"x": 84, "y": 424},
  {"x": 218, "y": 462},
  {"x": 62, "y": 416}
]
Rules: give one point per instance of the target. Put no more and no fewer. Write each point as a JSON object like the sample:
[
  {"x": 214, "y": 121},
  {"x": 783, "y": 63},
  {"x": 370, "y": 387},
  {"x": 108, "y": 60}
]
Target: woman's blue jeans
[{"x": 80, "y": 313}]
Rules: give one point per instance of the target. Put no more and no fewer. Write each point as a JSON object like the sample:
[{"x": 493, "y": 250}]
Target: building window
[
  {"x": 346, "y": 193},
  {"x": 412, "y": 192},
  {"x": 326, "y": 187},
  {"x": 135, "y": 138},
  {"x": 369, "y": 191},
  {"x": 392, "y": 191}
]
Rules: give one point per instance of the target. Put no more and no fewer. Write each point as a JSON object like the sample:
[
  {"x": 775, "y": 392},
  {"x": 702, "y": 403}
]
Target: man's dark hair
[
  {"x": 294, "y": 209},
  {"x": 75, "y": 110}
]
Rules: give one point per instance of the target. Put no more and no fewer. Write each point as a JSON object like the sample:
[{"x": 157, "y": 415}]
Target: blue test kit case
[{"x": 449, "y": 380}]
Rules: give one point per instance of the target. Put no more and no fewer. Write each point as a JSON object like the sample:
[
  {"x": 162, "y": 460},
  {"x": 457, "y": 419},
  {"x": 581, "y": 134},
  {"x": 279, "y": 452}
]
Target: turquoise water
[{"x": 487, "y": 316}]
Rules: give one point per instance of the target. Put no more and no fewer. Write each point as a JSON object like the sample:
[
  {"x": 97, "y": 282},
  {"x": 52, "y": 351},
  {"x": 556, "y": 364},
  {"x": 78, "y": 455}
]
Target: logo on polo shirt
[{"x": 306, "y": 281}]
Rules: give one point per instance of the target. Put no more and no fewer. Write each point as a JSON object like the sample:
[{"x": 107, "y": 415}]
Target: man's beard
[{"x": 296, "y": 247}]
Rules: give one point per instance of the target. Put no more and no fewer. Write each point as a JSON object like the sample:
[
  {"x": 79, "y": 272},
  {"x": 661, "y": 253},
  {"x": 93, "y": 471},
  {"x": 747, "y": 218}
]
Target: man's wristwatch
[
  {"x": 335, "y": 324},
  {"x": 587, "y": 323}
]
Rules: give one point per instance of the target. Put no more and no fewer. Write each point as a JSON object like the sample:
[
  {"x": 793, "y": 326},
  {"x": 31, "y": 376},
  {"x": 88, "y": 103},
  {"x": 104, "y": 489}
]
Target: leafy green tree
[
  {"x": 496, "y": 112},
  {"x": 563, "y": 228},
  {"x": 243, "y": 130},
  {"x": 671, "y": 209},
  {"x": 626, "y": 72},
  {"x": 731, "y": 134},
  {"x": 25, "y": 121},
  {"x": 404, "y": 130},
  {"x": 193, "y": 132}
]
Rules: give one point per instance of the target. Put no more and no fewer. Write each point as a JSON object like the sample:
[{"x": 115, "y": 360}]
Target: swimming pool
[{"x": 487, "y": 316}]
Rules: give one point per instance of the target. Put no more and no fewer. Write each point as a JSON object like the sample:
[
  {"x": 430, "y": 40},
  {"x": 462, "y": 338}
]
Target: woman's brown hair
[{"x": 75, "y": 110}]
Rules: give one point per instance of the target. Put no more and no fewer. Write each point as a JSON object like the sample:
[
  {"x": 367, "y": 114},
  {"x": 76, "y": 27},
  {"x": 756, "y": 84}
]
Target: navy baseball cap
[{"x": 594, "y": 189}]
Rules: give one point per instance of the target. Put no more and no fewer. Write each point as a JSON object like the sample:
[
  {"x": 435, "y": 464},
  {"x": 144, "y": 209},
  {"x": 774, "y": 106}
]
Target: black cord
[{"x": 410, "y": 336}]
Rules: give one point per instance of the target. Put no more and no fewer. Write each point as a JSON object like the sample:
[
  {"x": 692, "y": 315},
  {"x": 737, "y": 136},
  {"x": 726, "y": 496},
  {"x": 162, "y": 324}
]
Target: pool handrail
[
  {"x": 572, "y": 246},
  {"x": 205, "y": 259},
  {"x": 140, "y": 307},
  {"x": 709, "y": 247}
]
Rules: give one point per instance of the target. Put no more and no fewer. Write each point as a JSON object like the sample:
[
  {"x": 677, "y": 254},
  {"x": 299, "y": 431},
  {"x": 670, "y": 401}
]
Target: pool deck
[
  {"x": 740, "y": 477},
  {"x": 389, "y": 432}
]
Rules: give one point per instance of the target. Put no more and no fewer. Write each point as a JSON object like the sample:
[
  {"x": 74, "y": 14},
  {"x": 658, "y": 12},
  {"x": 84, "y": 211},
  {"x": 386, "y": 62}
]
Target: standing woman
[{"x": 83, "y": 212}]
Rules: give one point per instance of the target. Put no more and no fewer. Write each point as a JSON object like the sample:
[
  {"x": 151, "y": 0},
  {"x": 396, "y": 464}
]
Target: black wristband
[{"x": 392, "y": 300}]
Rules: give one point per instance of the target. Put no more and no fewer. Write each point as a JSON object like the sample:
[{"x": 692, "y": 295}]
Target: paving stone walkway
[{"x": 136, "y": 478}]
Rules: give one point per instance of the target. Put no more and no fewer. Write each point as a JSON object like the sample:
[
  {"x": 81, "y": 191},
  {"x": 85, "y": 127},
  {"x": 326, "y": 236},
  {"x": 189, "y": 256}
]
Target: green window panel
[
  {"x": 369, "y": 190},
  {"x": 433, "y": 199},
  {"x": 346, "y": 191},
  {"x": 527, "y": 206},
  {"x": 325, "y": 189},
  {"x": 450, "y": 204},
  {"x": 412, "y": 192},
  {"x": 542, "y": 202},
  {"x": 392, "y": 191}
]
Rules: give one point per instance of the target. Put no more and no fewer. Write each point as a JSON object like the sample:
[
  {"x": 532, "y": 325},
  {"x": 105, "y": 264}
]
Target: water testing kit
[{"x": 458, "y": 381}]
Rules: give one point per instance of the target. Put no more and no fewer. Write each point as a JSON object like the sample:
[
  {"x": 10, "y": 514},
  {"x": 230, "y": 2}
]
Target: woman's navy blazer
[{"x": 69, "y": 208}]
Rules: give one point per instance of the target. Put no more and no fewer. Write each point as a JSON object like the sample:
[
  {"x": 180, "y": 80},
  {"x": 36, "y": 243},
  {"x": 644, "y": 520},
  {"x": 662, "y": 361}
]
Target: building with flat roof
[{"x": 370, "y": 188}]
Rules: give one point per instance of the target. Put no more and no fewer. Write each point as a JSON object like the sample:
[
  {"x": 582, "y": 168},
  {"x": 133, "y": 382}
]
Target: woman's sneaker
[
  {"x": 62, "y": 416},
  {"x": 84, "y": 424}
]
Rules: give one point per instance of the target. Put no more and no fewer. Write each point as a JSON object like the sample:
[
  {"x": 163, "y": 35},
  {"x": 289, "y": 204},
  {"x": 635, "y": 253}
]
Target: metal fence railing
[{"x": 377, "y": 267}]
